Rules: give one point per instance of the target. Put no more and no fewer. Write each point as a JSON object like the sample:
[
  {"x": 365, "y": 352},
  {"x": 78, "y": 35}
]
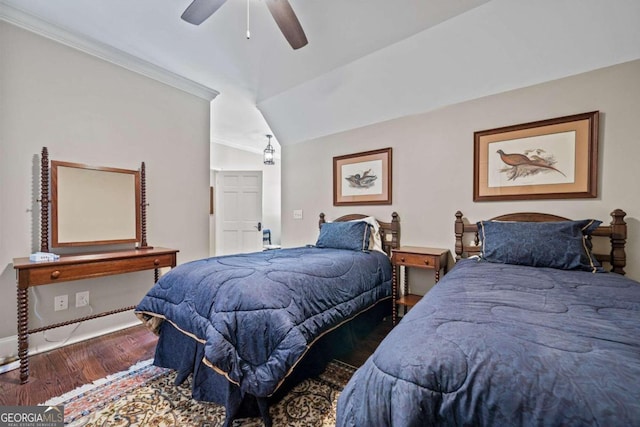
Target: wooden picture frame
[
  {"x": 363, "y": 178},
  {"x": 94, "y": 205},
  {"x": 547, "y": 159}
]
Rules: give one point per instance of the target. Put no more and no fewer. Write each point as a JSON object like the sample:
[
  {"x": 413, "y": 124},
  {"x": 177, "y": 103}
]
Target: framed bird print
[
  {"x": 548, "y": 159},
  {"x": 362, "y": 178}
]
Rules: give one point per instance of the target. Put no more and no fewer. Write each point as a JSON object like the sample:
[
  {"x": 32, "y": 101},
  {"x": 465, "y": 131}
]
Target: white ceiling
[
  {"x": 217, "y": 54},
  {"x": 367, "y": 60}
]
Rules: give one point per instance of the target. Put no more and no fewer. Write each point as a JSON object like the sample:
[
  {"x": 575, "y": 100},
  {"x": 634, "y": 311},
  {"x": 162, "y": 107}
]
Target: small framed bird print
[
  {"x": 548, "y": 159},
  {"x": 362, "y": 178}
]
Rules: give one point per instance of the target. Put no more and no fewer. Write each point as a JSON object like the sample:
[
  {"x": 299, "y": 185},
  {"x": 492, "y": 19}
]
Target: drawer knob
[
  {"x": 402, "y": 259},
  {"x": 156, "y": 261},
  {"x": 55, "y": 274},
  {"x": 426, "y": 261}
]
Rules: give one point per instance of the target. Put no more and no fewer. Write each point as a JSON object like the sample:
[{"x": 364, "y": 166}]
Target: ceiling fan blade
[
  {"x": 199, "y": 10},
  {"x": 288, "y": 22}
]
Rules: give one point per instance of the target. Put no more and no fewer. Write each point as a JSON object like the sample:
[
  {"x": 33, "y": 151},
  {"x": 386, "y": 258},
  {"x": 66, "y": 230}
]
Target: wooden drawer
[
  {"x": 415, "y": 260},
  {"x": 67, "y": 272}
]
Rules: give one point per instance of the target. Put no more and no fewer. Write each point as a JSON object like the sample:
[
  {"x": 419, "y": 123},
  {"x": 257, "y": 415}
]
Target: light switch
[{"x": 297, "y": 214}]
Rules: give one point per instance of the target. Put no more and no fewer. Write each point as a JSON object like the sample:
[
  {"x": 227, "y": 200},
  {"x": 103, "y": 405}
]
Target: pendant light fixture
[{"x": 269, "y": 152}]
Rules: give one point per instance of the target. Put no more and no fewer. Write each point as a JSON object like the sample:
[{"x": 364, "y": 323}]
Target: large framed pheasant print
[
  {"x": 548, "y": 159},
  {"x": 362, "y": 178}
]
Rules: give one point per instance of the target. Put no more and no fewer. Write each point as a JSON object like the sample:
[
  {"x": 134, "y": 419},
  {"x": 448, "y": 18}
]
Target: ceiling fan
[{"x": 199, "y": 10}]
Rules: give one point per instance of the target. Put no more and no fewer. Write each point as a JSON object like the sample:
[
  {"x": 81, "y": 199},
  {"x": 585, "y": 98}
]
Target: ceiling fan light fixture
[
  {"x": 281, "y": 11},
  {"x": 269, "y": 152}
]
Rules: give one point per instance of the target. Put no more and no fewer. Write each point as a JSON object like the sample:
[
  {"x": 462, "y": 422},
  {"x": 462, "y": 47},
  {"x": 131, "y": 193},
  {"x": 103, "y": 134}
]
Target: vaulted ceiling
[{"x": 366, "y": 61}]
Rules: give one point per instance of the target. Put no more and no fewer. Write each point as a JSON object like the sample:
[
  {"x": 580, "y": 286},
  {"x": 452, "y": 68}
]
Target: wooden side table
[{"x": 419, "y": 257}]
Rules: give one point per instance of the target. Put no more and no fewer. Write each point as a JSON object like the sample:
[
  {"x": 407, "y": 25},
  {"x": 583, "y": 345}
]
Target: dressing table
[{"x": 85, "y": 265}]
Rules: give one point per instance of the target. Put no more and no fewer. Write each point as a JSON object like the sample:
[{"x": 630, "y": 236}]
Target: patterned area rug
[{"x": 146, "y": 396}]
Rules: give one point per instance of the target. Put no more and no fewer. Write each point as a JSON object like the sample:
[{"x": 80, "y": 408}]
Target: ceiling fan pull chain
[{"x": 248, "y": 32}]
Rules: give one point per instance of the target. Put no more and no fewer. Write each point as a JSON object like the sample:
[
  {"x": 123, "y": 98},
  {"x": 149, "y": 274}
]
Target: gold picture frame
[
  {"x": 363, "y": 178},
  {"x": 547, "y": 159}
]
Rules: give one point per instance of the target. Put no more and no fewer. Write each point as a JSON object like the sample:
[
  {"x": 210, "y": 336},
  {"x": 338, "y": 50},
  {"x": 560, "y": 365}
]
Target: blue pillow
[
  {"x": 344, "y": 235},
  {"x": 561, "y": 244}
]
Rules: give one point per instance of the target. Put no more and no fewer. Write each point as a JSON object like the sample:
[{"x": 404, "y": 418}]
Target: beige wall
[
  {"x": 433, "y": 161},
  {"x": 90, "y": 111}
]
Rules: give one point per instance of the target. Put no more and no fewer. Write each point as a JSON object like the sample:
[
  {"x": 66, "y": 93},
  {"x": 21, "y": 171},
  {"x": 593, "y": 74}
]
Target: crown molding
[
  {"x": 103, "y": 51},
  {"x": 236, "y": 145}
]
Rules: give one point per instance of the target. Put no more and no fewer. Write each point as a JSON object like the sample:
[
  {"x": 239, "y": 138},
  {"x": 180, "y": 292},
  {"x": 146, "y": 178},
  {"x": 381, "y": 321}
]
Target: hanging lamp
[{"x": 269, "y": 152}]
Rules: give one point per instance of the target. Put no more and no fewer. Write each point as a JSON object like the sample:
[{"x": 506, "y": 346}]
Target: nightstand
[{"x": 418, "y": 257}]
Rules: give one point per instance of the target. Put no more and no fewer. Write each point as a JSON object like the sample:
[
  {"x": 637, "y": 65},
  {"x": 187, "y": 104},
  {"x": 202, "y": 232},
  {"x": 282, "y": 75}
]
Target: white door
[{"x": 238, "y": 219}]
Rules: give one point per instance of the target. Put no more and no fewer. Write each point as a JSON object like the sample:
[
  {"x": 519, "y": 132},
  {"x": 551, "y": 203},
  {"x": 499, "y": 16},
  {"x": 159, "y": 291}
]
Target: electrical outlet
[
  {"x": 61, "y": 302},
  {"x": 82, "y": 298},
  {"x": 297, "y": 214}
]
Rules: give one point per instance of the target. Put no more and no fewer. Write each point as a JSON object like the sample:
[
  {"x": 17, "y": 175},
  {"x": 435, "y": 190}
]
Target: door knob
[{"x": 259, "y": 227}]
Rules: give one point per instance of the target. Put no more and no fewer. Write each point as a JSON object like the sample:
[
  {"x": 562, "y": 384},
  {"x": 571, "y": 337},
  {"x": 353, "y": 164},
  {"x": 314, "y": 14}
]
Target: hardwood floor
[
  {"x": 367, "y": 345},
  {"x": 62, "y": 370},
  {"x": 59, "y": 371}
]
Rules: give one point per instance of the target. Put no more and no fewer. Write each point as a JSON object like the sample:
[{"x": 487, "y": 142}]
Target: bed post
[
  {"x": 459, "y": 231},
  {"x": 395, "y": 231},
  {"x": 321, "y": 220},
  {"x": 618, "y": 239}
]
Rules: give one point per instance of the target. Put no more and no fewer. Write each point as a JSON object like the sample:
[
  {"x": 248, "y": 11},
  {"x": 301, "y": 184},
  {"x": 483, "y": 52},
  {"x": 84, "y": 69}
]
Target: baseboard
[
  {"x": 8, "y": 350},
  {"x": 63, "y": 336}
]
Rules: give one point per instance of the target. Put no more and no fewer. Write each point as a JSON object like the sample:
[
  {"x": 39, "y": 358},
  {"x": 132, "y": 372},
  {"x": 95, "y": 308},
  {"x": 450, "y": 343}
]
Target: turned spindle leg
[
  {"x": 23, "y": 335},
  {"x": 394, "y": 295}
]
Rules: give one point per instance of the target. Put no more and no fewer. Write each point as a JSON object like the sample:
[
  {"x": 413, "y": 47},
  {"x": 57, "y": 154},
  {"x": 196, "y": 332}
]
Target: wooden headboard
[
  {"x": 389, "y": 231},
  {"x": 616, "y": 232}
]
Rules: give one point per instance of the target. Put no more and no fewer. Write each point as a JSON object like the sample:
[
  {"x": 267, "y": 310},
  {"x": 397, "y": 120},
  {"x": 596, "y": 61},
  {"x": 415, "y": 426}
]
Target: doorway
[
  {"x": 238, "y": 216},
  {"x": 227, "y": 158}
]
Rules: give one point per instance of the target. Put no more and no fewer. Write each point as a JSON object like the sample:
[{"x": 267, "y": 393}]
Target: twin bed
[
  {"x": 244, "y": 326},
  {"x": 527, "y": 329}
]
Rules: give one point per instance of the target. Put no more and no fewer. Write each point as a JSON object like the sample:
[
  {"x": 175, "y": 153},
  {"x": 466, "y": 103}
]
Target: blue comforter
[
  {"x": 502, "y": 345},
  {"x": 257, "y": 314}
]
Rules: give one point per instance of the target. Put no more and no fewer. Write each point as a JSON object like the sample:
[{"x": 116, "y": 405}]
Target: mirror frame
[{"x": 55, "y": 205}]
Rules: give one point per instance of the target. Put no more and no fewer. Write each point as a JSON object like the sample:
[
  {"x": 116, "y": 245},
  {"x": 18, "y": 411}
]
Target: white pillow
[{"x": 375, "y": 241}]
